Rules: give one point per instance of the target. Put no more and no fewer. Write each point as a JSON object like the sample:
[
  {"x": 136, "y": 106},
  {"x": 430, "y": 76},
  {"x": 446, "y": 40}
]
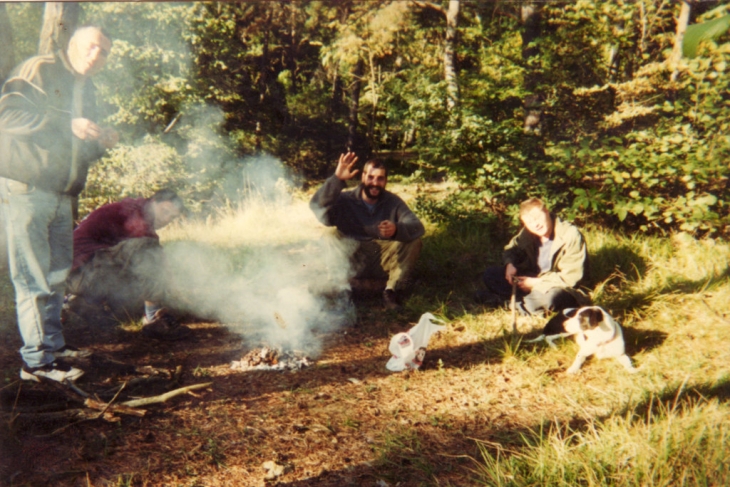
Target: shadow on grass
[
  {"x": 614, "y": 263},
  {"x": 674, "y": 398},
  {"x": 637, "y": 301},
  {"x": 638, "y": 341},
  {"x": 687, "y": 286},
  {"x": 455, "y": 257}
]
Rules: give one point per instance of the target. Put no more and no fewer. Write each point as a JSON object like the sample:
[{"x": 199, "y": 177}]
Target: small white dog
[{"x": 596, "y": 333}]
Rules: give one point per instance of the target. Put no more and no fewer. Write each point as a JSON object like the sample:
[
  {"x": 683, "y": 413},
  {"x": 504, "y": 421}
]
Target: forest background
[{"x": 591, "y": 105}]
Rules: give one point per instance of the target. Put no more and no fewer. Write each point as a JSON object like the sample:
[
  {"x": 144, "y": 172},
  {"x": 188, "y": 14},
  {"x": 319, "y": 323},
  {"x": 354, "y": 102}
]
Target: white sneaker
[
  {"x": 53, "y": 371},
  {"x": 71, "y": 352}
]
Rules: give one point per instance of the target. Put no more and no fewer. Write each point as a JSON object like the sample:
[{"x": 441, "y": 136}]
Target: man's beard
[{"x": 368, "y": 191}]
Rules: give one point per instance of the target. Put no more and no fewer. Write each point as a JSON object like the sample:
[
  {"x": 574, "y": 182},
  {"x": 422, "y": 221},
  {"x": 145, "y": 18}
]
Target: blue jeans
[{"x": 39, "y": 228}]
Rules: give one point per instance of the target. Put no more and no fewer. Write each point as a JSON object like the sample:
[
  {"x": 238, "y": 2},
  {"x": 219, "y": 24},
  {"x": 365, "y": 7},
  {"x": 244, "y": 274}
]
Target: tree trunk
[
  {"x": 682, "y": 22},
  {"x": 293, "y": 50},
  {"x": 60, "y": 20},
  {"x": 7, "y": 54},
  {"x": 452, "y": 83},
  {"x": 355, "y": 89},
  {"x": 263, "y": 79},
  {"x": 533, "y": 101},
  {"x": 614, "y": 56}
]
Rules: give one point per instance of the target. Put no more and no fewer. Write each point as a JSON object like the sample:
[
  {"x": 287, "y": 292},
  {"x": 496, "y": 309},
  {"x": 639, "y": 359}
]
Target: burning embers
[{"x": 266, "y": 358}]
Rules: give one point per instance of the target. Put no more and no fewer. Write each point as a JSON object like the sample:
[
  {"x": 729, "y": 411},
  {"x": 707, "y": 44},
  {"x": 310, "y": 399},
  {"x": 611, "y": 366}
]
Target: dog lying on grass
[{"x": 595, "y": 331}]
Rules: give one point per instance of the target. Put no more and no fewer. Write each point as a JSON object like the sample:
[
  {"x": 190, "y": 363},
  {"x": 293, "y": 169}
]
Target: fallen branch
[
  {"x": 164, "y": 397},
  {"x": 114, "y": 408},
  {"x": 109, "y": 408}
]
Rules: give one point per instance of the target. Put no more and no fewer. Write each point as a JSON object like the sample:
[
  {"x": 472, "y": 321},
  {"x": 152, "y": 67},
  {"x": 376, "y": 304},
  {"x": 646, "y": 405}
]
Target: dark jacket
[
  {"x": 36, "y": 141},
  {"x": 111, "y": 224},
  {"x": 348, "y": 212},
  {"x": 568, "y": 255}
]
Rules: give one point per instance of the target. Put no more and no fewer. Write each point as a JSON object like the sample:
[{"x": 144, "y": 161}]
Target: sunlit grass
[
  {"x": 678, "y": 443},
  {"x": 253, "y": 223}
]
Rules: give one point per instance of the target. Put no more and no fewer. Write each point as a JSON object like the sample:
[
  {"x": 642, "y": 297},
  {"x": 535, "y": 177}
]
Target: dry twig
[{"x": 164, "y": 397}]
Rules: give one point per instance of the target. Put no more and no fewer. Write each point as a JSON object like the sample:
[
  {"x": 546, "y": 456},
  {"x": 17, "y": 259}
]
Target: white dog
[{"x": 596, "y": 333}]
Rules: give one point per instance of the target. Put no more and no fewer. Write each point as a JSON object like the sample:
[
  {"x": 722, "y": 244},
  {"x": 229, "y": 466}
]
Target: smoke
[{"x": 266, "y": 269}]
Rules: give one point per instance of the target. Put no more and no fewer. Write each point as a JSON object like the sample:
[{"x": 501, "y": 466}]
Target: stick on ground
[
  {"x": 164, "y": 397},
  {"x": 513, "y": 305}
]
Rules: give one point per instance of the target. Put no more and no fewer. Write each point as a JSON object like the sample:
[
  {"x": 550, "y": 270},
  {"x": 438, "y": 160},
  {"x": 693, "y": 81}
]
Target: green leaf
[{"x": 696, "y": 33}]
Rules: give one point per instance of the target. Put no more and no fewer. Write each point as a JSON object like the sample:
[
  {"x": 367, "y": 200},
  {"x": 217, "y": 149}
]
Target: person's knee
[
  {"x": 406, "y": 251},
  {"x": 493, "y": 275},
  {"x": 416, "y": 246}
]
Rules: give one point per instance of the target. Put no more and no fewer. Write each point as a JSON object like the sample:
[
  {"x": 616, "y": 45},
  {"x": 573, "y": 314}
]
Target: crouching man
[
  {"x": 547, "y": 260},
  {"x": 118, "y": 260},
  {"x": 387, "y": 232}
]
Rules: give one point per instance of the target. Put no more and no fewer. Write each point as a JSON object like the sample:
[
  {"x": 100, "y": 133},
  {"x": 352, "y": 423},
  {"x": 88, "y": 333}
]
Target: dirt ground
[{"x": 345, "y": 420}]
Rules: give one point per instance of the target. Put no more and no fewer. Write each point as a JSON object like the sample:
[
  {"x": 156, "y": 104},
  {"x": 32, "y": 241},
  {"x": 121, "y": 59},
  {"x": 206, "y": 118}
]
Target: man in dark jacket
[
  {"x": 48, "y": 140},
  {"x": 387, "y": 232},
  {"x": 547, "y": 261},
  {"x": 118, "y": 259}
]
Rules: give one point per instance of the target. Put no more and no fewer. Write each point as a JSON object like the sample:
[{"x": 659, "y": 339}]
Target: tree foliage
[{"x": 626, "y": 135}]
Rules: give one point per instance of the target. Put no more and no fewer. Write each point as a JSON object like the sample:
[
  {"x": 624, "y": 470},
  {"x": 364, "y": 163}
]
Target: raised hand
[{"x": 345, "y": 166}]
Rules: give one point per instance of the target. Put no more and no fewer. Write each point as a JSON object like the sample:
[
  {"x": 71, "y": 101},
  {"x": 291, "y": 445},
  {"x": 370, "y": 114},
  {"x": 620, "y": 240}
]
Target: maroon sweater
[{"x": 110, "y": 224}]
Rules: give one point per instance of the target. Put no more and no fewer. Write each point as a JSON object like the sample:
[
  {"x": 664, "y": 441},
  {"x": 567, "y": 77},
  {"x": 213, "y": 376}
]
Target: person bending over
[
  {"x": 387, "y": 233},
  {"x": 547, "y": 260},
  {"x": 118, "y": 260}
]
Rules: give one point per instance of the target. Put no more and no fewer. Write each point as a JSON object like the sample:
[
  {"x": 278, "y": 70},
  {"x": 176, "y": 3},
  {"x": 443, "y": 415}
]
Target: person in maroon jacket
[{"x": 118, "y": 259}]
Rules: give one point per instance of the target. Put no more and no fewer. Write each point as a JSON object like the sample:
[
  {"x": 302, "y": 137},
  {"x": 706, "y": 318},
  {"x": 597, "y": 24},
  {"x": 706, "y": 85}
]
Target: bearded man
[
  {"x": 386, "y": 232},
  {"x": 49, "y": 138}
]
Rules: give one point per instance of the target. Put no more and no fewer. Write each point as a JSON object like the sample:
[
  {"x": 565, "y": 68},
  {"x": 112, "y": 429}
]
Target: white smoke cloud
[{"x": 267, "y": 270}]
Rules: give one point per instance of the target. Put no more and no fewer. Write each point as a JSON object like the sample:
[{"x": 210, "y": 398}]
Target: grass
[
  {"x": 675, "y": 443},
  {"x": 487, "y": 408}
]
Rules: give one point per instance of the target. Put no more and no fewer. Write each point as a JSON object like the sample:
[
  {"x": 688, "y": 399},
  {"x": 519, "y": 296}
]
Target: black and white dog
[{"x": 595, "y": 331}]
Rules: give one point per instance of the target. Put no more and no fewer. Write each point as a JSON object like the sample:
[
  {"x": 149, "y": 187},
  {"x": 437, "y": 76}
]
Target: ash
[{"x": 266, "y": 358}]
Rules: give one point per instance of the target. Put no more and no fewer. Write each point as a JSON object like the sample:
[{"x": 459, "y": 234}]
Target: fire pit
[{"x": 266, "y": 358}]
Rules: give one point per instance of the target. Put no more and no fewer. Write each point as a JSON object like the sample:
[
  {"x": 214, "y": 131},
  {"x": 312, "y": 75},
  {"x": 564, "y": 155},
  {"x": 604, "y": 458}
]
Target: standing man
[
  {"x": 386, "y": 230},
  {"x": 48, "y": 140},
  {"x": 547, "y": 259},
  {"x": 118, "y": 259}
]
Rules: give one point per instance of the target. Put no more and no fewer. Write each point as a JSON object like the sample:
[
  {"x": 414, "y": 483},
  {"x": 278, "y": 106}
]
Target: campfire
[{"x": 266, "y": 358}]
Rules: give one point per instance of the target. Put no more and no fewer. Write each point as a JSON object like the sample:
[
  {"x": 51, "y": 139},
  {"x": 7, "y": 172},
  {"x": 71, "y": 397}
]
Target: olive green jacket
[{"x": 568, "y": 254}]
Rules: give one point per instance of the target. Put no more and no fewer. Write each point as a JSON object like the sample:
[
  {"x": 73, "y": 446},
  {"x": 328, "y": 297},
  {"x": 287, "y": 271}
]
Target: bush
[{"x": 134, "y": 171}]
